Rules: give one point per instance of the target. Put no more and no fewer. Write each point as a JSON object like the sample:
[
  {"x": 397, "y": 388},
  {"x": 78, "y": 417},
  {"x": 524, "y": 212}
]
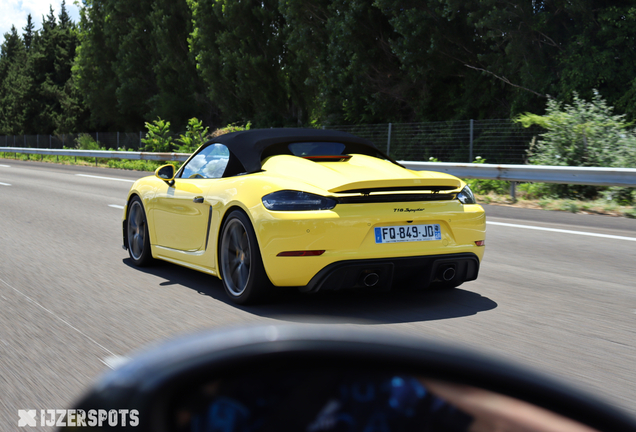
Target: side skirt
[{"x": 175, "y": 256}]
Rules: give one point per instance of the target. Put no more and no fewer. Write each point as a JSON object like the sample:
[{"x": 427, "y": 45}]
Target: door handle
[{"x": 198, "y": 199}]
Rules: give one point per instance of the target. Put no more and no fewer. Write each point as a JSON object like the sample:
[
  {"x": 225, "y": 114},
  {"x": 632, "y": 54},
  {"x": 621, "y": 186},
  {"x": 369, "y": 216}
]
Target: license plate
[{"x": 407, "y": 233}]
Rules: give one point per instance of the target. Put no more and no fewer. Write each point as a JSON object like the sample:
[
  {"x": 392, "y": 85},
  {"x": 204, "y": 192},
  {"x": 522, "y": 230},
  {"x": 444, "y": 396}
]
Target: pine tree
[
  {"x": 28, "y": 33},
  {"x": 12, "y": 83}
]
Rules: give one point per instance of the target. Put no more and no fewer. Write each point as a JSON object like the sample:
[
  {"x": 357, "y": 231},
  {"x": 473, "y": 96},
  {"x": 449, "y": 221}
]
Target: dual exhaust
[{"x": 446, "y": 273}]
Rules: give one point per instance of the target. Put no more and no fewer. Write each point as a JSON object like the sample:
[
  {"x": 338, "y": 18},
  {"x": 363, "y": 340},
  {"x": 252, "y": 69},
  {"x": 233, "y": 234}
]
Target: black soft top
[{"x": 250, "y": 147}]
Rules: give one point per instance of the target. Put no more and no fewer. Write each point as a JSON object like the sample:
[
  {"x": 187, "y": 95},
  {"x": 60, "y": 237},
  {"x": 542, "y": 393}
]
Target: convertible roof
[{"x": 252, "y": 146}]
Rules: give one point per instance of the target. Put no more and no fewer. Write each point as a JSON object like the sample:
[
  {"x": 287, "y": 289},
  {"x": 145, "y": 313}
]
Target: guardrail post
[{"x": 513, "y": 191}]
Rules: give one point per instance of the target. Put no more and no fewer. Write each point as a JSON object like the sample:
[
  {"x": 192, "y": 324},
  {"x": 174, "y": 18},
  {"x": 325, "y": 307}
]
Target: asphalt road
[{"x": 560, "y": 299}]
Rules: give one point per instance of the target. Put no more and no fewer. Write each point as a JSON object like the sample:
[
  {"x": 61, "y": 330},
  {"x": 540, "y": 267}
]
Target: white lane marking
[
  {"x": 116, "y": 206},
  {"x": 5, "y": 184},
  {"x": 5, "y": 166},
  {"x": 115, "y": 361},
  {"x": 105, "y": 178},
  {"x": 58, "y": 318},
  {"x": 563, "y": 231}
]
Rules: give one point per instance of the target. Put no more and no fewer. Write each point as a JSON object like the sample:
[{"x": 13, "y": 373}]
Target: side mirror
[
  {"x": 166, "y": 173},
  {"x": 327, "y": 379}
]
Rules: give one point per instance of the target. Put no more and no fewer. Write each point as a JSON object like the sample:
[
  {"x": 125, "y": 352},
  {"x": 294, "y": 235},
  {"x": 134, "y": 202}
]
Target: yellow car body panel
[
  {"x": 359, "y": 172},
  {"x": 347, "y": 233},
  {"x": 178, "y": 221}
]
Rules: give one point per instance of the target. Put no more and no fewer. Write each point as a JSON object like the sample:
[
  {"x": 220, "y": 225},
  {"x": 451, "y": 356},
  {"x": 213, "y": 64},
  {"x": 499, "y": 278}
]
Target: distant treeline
[{"x": 311, "y": 62}]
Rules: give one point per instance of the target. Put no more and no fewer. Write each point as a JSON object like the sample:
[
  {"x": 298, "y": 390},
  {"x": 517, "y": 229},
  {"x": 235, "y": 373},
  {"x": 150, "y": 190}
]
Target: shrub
[
  {"x": 86, "y": 142},
  {"x": 484, "y": 186},
  {"x": 158, "y": 138},
  {"x": 581, "y": 134},
  {"x": 195, "y": 136}
]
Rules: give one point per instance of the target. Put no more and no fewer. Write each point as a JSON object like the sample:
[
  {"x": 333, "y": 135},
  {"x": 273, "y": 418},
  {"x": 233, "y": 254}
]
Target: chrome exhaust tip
[
  {"x": 448, "y": 274},
  {"x": 371, "y": 279}
]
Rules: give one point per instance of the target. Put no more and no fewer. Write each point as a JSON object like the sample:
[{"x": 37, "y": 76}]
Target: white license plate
[{"x": 407, "y": 233}]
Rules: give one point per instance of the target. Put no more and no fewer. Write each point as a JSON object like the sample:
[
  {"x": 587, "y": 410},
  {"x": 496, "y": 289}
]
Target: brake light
[{"x": 480, "y": 243}]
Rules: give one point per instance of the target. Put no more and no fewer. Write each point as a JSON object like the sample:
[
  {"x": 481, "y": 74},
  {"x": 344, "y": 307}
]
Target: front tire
[
  {"x": 241, "y": 266},
  {"x": 137, "y": 234}
]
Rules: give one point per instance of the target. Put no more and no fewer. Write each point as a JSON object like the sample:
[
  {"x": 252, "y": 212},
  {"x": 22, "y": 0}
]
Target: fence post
[
  {"x": 388, "y": 141},
  {"x": 117, "y": 141},
  {"x": 470, "y": 153},
  {"x": 139, "y": 140}
]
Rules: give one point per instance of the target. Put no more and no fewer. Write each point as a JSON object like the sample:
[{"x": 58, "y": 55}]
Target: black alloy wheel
[
  {"x": 137, "y": 233},
  {"x": 241, "y": 266}
]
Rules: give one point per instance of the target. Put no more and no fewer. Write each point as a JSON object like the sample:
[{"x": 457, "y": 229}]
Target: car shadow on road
[{"x": 359, "y": 307}]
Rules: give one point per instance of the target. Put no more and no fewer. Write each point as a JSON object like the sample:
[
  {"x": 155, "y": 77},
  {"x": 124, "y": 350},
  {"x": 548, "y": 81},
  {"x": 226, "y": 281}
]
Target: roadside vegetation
[
  {"x": 158, "y": 138},
  {"x": 579, "y": 134}
]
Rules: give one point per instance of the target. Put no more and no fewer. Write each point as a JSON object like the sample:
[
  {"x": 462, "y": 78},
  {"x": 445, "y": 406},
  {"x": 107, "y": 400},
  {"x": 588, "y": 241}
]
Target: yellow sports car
[{"x": 307, "y": 208}]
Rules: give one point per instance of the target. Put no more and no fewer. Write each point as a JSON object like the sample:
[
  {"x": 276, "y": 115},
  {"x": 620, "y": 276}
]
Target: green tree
[
  {"x": 134, "y": 64},
  {"x": 343, "y": 53},
  {"x": 241, "y": 56},
  {"x": 48, "y": 66},
  {"x": 93, "y": 76},
  {"x": 180, "y": 91},
  {"x": 13, "y": 83},
  {"x": 28, "y": 33}
]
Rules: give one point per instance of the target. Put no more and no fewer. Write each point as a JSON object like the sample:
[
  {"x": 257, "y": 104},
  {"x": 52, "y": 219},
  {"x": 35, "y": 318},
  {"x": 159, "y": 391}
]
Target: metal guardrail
[
  {"x": 103, "y": 154},
  {"x": 624, "y": 177}
]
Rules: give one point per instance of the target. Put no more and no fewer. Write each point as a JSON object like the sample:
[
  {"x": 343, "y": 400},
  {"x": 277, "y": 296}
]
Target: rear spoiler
[{"x": 394, "y": 185}]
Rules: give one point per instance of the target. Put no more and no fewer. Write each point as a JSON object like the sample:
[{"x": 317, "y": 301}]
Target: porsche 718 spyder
[{"x": 307, "y": 208}]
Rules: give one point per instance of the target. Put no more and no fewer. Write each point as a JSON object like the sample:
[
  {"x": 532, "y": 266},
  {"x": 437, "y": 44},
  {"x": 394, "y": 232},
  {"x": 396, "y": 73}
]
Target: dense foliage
[
  {"x": 584, "y": 133},
  {"x": 304, "y": 62}
]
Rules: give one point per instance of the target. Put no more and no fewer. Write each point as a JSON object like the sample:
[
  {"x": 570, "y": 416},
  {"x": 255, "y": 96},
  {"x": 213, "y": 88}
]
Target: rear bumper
[{"x": 385, "y": 273}]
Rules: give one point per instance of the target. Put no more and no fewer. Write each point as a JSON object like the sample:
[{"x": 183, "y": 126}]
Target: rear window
[{"x": 316, "y": 149}]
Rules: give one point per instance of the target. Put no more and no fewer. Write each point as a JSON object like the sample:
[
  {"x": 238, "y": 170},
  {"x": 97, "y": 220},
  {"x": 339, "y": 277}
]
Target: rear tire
[
  {"x": 241, "y": 266},
  {"x": 137, "y": 234}
]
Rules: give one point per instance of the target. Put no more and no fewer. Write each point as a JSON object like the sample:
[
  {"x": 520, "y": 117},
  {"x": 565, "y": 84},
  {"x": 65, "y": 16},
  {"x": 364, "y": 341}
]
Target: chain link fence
[
  {"x": 108, "y": 140},
  {"x": 496, "y": 141}
]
